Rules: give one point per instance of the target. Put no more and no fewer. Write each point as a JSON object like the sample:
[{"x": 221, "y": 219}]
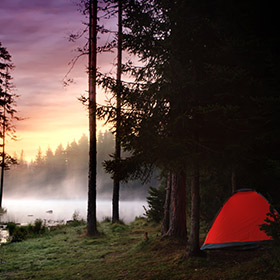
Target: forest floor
[{"x": 121, "y": 251}]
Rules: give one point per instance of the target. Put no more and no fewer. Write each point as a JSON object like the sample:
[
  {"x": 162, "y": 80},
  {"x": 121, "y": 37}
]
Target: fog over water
[
  {"x": 27, "y": 211},
  {"x": 58, "y": 181}
]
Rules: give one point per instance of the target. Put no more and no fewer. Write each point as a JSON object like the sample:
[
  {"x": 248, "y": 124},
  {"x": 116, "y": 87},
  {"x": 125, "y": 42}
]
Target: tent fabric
[{"x": 237, "y": 223}]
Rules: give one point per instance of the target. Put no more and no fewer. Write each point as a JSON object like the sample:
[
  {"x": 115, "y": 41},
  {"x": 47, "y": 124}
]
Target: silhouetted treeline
[{"x": 63, "y": 173}]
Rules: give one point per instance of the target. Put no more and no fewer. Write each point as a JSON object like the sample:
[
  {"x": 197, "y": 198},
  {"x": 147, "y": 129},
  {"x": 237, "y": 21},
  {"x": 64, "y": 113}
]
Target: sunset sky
[{"x": 35, "y": 32}]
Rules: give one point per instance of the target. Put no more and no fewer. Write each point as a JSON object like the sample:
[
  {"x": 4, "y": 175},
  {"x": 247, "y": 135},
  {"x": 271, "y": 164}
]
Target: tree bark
[
  {"x": 167, "y": 210},
  {"x": 177, "y": 225},
  {"x": 91, "y": 215},
  {"x": 194, "y": 245},
  {"x": 116, "y": 187},
  {"x": 233, "y": 180}
]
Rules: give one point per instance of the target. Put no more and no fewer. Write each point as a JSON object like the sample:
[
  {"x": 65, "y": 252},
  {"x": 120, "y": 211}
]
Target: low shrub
[
  {"x": 76, "y": 220},
  {"x": 19, "y": 233},
  {"x": 11, "y": 228},
  {"x": 76, "y": 216},
  {"x": 39, "y": 227},
  {"x": 272, "y": 225},
  {"x": 155, "y": 199},
  {"x": 106, "y": 220}
]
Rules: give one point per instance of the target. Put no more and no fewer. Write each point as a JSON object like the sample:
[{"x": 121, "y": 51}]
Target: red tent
[{"x": 237, "y": 223}]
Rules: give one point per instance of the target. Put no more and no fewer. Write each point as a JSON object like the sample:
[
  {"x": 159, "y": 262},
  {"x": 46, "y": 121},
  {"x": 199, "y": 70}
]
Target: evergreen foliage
[
  {"x": 7, "y": 112},
  {"x": 204, "y": 95},
  {"x": 7, "y": 97},
  {"x": 272, "y": 225},
  {"x": 155, "y": 199},
  {"x": 205, "y": 91}
]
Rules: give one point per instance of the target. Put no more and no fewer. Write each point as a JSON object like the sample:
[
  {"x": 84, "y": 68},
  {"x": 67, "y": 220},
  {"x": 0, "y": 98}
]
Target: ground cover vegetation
[{"x": 124, "y": 251}]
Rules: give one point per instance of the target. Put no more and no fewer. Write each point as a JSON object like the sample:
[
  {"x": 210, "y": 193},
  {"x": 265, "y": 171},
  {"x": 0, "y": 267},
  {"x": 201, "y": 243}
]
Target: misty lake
[{"x": 26, "y": 211}]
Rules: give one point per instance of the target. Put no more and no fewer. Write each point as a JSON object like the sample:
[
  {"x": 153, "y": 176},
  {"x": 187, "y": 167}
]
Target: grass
[{"x": 121, "y": 251}]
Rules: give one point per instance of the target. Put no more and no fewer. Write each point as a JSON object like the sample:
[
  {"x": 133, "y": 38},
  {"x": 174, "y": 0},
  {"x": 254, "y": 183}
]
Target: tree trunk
[
  {"x": 91, "y": 215},
  {"x": 167, "y": 210},
  {"x": 116, "y": 187},
  {"x": 194, "y": 246},
  {"x": 233, "y": 180},
  {"x": 177, "y": 224}
]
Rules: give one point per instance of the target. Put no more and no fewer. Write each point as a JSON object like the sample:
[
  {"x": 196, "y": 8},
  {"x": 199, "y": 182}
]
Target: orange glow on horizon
[
  {"x": 37, "y": 39},
  {"x": 30, "y": 141},
  {"x": 60, "y": 119}
]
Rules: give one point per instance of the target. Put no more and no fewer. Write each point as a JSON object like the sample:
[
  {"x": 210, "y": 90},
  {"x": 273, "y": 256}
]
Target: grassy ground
[{"x": 122, "y": 252}]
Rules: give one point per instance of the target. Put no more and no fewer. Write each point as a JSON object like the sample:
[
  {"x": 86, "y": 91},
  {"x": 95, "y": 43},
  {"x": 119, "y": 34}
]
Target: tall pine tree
[
  {"x": 91, "y": 215},
  {"x": 116, "y": 187},
  {"x": 7, "y": 107}
]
